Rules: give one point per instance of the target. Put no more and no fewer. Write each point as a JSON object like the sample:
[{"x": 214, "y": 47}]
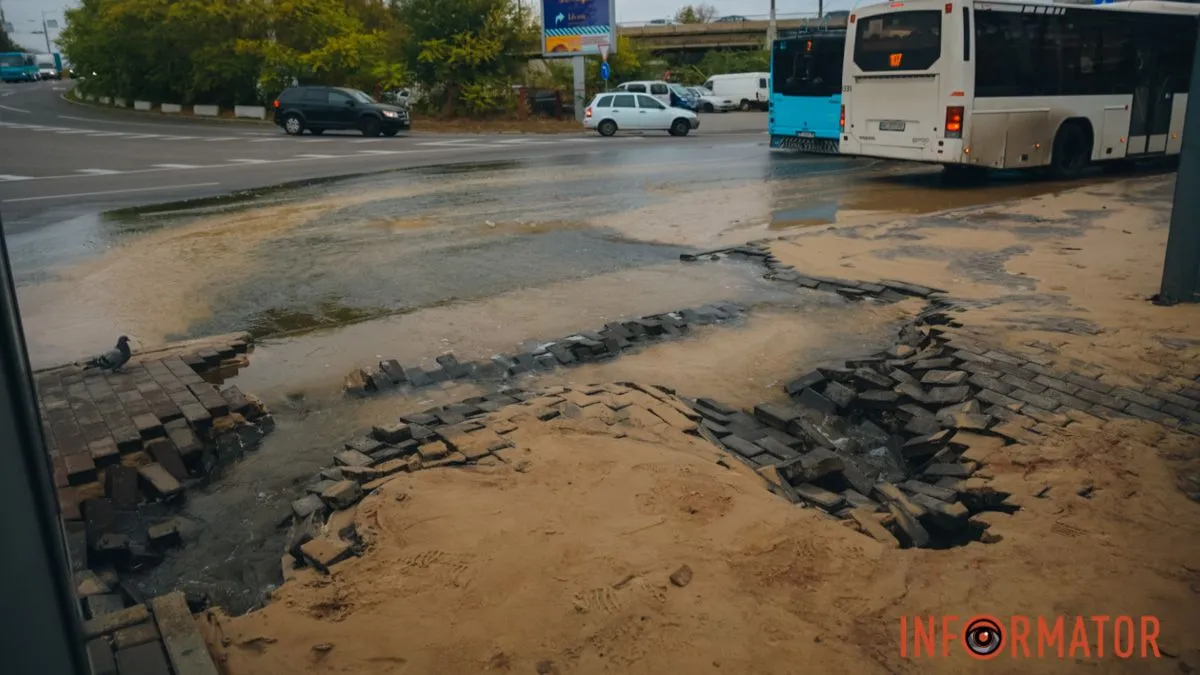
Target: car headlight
[{"x": 391, "y": 114}]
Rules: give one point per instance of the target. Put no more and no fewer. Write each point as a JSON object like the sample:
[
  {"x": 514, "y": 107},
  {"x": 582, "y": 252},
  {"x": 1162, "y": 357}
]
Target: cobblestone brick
[{"x": 1100, "y": 399}]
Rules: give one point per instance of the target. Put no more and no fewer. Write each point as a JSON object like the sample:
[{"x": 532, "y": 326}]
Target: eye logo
[{"x": 983, "y": 637}]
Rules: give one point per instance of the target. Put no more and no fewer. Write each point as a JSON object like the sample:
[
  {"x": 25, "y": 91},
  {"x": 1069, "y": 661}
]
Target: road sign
[
  {"x": 604, "y": 71},
  {"x": 604, "y": 52},
  {"x": 578, "y": 27}
]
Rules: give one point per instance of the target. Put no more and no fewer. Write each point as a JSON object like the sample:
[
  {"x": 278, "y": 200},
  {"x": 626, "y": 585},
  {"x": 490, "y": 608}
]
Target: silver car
[{"x": 710, "y": 102}]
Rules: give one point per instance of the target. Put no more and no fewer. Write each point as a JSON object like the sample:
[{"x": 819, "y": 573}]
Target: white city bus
[{"x": 1011, "y": 85}]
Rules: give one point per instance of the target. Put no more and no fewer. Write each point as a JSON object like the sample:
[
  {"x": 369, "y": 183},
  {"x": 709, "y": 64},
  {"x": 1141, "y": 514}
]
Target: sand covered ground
[{"x": 561, "y": 561}]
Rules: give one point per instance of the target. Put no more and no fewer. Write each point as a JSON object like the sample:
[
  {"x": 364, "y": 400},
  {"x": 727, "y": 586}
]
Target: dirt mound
[{"x": 561, "y": 560}]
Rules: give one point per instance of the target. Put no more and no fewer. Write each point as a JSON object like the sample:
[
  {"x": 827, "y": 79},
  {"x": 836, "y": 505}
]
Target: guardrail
[{"x": 663, "y": 23}]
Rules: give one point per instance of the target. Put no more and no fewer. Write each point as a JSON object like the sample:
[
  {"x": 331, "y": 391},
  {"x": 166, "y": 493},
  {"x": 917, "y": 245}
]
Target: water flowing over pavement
[{"x": 474, "y": 257}]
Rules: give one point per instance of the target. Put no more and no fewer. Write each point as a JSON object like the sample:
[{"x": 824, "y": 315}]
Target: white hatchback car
[{"x": 637, "y": 112}]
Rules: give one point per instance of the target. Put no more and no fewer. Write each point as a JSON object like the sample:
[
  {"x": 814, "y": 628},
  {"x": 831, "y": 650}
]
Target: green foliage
[
  {"x": 722, "y": 62},
  {"x": 699, "y": 13},
  {"x": 7, "y": 44}
]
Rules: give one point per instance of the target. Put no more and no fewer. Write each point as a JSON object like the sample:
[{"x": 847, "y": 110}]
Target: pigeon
[{"x": 112, "y": 359}]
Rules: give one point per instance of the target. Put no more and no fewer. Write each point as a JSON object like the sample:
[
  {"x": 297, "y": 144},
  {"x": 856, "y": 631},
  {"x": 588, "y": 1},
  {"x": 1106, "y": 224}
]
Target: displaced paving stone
[
  {"x": 432, "y": 452},
  {"x": 812, "y": 466},
  {"x": 324, "y": 552},
  {"x": 809, "y": 398},
  {"x": 878, "y": 397},
  {"x": 775, "y": 416},
  {"x": 819, "y": 496},
  {"x": 186, "y": 648},
  {"x": 165, "y": 453},
  {"x": 742, "y": 446},
  {"x": 145, "y": 659},
  {"x": 114, "y": 621},
  {"x": 939, "y": 493},
  {"x": 922, "y": 446},
  {"x": 104, "y": 452},
  {"x": 352, "y": 458},
  {"x": 80, "y": 468},
  {"x": 121, "y": 486},
  {"x": 866, "y": 522},
  {"x": 158, "y": 483},
  {"x": 98, "y": 605},
  {"x": 342, "y": 495},
  {"x": 868, "y": 378},
  {"x": 165, "y": 535},
  {"x": 916, "y": 533},
  {"x": 998, "y": 399},
  {"x": 777, "y": 449},
  {"x": 932, "y": 364},
  {"x": 944, "y": 377},
  {"x": 965, "y": 421},
  {"x": 307, "y": 505},
  {"x": 947, "y": 516},
  {"x": 364, "y": 444},
  {"x": 135, "y": 635},
  {"x": 949, "y": 469},
  {"x": 100, "y": 656},
  {"x": 841, "y": 395},
  {"x": 945, "y": 395}
]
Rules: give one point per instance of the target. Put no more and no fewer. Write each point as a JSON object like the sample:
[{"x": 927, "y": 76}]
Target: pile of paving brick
[
  {"x": 124, "y": 448},
  {"x": 159, "y": 637},
  {"x": 887, "y": 290},
  {"x": 586, "y": 347}
]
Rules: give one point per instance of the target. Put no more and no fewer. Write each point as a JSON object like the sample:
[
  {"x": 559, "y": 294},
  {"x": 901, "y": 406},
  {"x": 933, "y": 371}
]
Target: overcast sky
[{"x": 26, "y": 15}]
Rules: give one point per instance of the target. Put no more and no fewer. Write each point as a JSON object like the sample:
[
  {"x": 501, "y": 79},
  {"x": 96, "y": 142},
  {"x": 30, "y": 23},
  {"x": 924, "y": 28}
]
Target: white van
[
  {"x": 750, "y": 90},
  {"x": 659, "y": 89}
]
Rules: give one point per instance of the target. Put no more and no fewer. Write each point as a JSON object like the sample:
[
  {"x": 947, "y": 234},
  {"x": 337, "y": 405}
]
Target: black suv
[{"x": 320, "y": 108}]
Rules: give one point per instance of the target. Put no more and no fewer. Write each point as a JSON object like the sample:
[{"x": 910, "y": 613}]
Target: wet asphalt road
[{"x": 62, "y": 159}]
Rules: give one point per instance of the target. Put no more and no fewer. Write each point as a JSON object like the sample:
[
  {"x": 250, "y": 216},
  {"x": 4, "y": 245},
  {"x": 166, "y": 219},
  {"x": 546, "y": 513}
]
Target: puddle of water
[{"x": 316, "y": 363}]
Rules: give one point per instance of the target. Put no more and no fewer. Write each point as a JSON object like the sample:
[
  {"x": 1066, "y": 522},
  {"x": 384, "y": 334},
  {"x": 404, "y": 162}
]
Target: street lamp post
[{"x": 771, "y": 26}]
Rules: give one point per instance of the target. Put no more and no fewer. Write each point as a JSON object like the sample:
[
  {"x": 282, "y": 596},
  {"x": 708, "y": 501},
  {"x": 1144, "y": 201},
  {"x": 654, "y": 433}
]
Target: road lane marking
[
  {"x": 314, "y": 156},
  {"x": 267, "y": 140},
  {"x": 12, "y": 109},
  {"x": 221, "y": 138},
  {"x": 71, "y": 132},
  {"x": 381, "y": 152},
  {"x": 178, "y": 166},
  {"x": 176, "y": 138},
  {"x": 103, "y": 134},
  {"x": 8, "y": 177},
  {"x": 99, "y": 172},
  {"x": 250, "y": 161},
  {"x": 142, "y": 137},
  {"x": 108, "y": 192}
]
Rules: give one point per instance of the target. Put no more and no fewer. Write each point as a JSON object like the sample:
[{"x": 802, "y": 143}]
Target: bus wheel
[
  {"x": 745, "y": 106},
  {"x": 1072, "y": 152},
  {"x": 960, "y": 174}
]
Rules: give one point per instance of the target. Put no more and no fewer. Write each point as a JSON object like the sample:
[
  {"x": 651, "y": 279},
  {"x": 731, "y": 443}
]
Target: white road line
[
  {"x": 312, "y": 156},
  {"x": 176, "y": 138},
  {"x": 142, "y": 137},
  {"x": 456, "y": 144},
  {"x": 98, "y": 172},
  {"x": 267, "y": 140},
  {"x": 250, "y": 161},
  {"x": 8, "y": 177},
  {"x": 177, "y": 166},
  {"x": 12, "y": 109},
  {"x": 381, "y": 152},
  {"x": 69, "y": 132},
  {"x": 109, "y": 192},
  {"x": 103, "y": 134},
  {"x": 367, "y": 140}
]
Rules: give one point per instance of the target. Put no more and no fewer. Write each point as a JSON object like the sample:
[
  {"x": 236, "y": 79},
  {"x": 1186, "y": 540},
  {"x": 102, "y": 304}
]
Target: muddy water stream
[{"x": 471, "y": 259}]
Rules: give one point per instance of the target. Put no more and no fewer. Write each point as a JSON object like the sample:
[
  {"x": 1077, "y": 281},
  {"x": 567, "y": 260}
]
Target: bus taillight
[
  {"x": 954, "y": 121},
  {"x": 843, "y": 122}
]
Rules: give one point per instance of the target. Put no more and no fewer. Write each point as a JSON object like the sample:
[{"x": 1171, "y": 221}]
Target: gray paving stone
[
  {"x": 1044, "y": 402},
  {"x": 1022, "y": 383},
  {"x": 1137, "y": 397}
]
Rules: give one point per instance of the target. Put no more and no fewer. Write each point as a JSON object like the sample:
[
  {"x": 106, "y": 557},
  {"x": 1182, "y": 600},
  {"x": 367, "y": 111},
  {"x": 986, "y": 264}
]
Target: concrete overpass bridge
[{"x": 746, "y": 34}]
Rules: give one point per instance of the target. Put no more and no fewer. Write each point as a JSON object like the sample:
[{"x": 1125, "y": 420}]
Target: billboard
[{"x": 578, "y": 27}]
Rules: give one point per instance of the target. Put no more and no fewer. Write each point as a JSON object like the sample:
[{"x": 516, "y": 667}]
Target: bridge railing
[{"x": 667, "y": 23}]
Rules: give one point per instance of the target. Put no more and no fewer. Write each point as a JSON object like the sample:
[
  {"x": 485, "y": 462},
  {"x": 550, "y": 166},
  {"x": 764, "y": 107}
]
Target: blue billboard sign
[{"x": 578, "y": 27}]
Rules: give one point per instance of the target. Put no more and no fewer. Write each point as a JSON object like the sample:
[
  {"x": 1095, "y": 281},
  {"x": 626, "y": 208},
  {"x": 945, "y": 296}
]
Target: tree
[
  {"x": 698, "y": 13},
  {"x": 465, "y": 53},
  {"x": 7, "y": 44}
]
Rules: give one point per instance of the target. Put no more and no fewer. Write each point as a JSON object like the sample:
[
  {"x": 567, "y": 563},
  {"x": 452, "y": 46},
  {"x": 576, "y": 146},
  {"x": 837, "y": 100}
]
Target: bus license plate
[
  {"x": 891, "y": 125},
  {"x": 806, "y": 134}
]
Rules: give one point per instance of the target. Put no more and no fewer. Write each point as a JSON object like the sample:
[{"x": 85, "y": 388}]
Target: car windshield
[
  {"x": 680, "y": 91},
  {"x": 359, "y": 96}
]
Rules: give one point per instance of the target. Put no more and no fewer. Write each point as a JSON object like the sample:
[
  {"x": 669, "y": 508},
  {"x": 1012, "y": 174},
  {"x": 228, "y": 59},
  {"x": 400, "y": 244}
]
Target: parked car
[
  {"x": 402, "y": 97},
  {"x": 608, "y": 113},
  {"x": 320, "y": 108},
  {"x": 732, "y": 18},
  {"x": 671, "y": 94},
  {"x": 710, "y": 102},
  {"x": 750, "y": 90}
]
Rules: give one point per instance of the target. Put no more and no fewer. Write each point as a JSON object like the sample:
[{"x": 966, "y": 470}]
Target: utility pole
[
  {"x": 46, "y": 32},
  {"x": 771, "y": 26},
  {"x": 1181, "y": 268}
]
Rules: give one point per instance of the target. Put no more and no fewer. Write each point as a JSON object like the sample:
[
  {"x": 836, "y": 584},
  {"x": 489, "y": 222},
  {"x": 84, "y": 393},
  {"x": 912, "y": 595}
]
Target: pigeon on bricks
[{"x": 112, "y": 359}]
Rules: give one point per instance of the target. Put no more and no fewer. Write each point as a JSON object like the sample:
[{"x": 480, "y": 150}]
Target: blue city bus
[
  {"x": 806, "y": 91},
  {"x": 18, "y": 67}
]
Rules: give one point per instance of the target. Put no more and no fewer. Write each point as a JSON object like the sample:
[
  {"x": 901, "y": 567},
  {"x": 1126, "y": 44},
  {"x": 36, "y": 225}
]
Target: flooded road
[{"x": 472, "y": 258}]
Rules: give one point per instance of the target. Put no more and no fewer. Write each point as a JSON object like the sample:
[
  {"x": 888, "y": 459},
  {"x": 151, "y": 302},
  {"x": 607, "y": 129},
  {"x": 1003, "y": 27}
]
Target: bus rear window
[
  {"x": 898, "y": 41},
  {"x": 807, "y": 67}
]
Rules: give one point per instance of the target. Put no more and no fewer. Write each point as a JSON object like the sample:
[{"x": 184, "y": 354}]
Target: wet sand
[{"x": 580, "y": 544}]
